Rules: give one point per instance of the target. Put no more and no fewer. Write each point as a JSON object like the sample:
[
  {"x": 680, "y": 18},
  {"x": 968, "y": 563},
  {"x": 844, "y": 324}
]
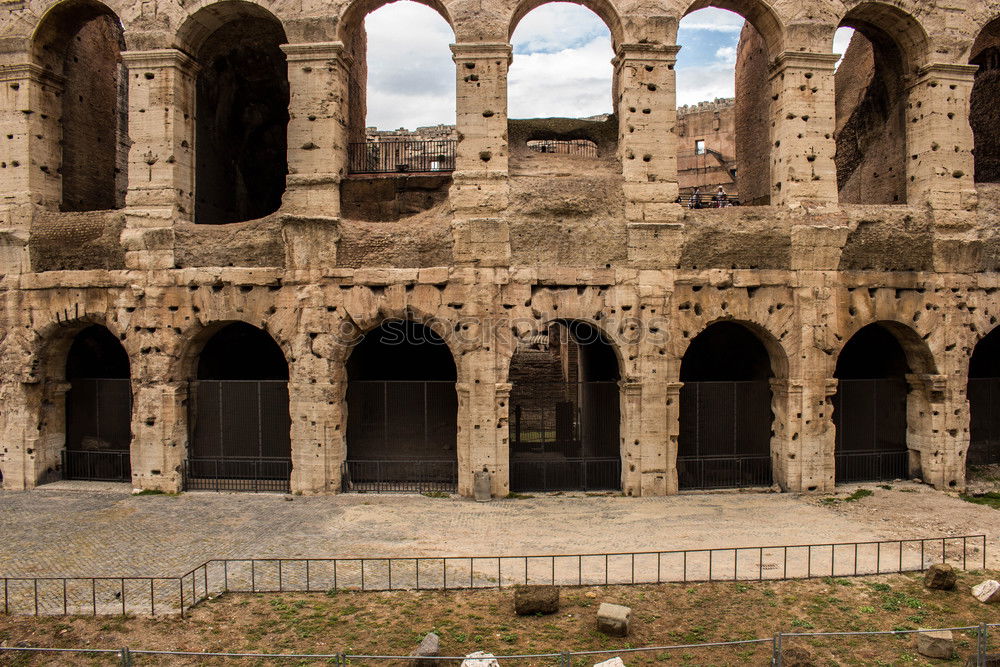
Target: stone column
[
  {"x": 479, "y": 435},
  {"x": 159, "y": 431},
  {"x": 803, "y": 114},
  {"x": 646, "y": 104},
  {"x": 501, "y": 475},
  {"x": 939, "y": 138},
  {"x": 317, "y": 128},
  {"x": 932, "y": 449},
  {"x": 808, "y": 457},
  {"x": 630, "y": 435},
  {"x": 161, "y": 161},
  {"x": 318, "y": 446}
]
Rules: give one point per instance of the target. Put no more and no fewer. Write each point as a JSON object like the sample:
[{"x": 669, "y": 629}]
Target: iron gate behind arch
[
  {"x": 870, "y": 419},
  {"x": 725, "y": 435},
  {"x": 401, "y": 436},
  {"x": 98, "y": 430},
  {"x": 564, "y": 436},
  {"x": 984, "y": 421},
  {"x": 239, "y": 436}
]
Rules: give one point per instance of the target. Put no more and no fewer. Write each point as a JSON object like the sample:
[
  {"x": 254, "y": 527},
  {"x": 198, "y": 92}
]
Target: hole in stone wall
[{"x": 242, "y": 102}]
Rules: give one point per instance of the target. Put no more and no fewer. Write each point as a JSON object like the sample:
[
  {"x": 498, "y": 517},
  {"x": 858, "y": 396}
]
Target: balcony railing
[{"x": 402, "y": 157}]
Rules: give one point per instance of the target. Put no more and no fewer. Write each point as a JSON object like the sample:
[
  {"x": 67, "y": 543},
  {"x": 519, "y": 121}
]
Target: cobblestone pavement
[{"x": 92, "y": 530}]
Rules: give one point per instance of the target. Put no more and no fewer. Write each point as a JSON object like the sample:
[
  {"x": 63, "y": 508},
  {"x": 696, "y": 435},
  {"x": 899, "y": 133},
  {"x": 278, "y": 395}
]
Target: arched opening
[
  {"x": 240, "y": 428},
  {"x": 98, "y": 408},
  {"x": 560, "y": 85},
  {"x": 725, "y": 410},
  {"x": 712, "y": 41},
  {"x": 402, "y": 411},
  {"x": 871, "y": 98},
  {"x": 241, "y": 102},
  {"x": 564, "y": 411},
  {"x": 80, "y": 42},
  {"x": 984, "y": 399},
  {"x": 984, "y": 113},
  {"x": 870, "y": 407}
]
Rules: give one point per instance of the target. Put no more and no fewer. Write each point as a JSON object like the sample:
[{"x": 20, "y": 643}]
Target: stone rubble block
[
  {"x": 988, "y": 591},
  {"x": 430, "y": 647},
  {"x": 941, "y": 577},
  {"x": 531, "y": 600},
  {"x": 480, "y": 659},
  {"x": 614, "y": 619},
  {"x": 613, "y": 662},
  {"x": 936, "y": 644}
]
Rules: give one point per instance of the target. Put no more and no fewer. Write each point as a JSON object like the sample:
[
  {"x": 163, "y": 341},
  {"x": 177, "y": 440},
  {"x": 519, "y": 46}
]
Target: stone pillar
[
  {"x": 479, "y": 434},
  {"x": 161, "y": 160},
  {"x": 654, "y": 444},
  {"x": 30, "y": 159},
  {"x": 630, "y": 435},
  {"x": 939, "y": 138},
  {"x": 646, "y": 105},
  {"x": 933, "y": 450},
  {"x": 318, "y": 445},
  {"x": 317, "y": 128},
  {"x": 803, "y": 115},
  {"x": 501, "y": 475},
  {"x": 480, "y": 185},
  {"x": 159, "y": 431},
  {"x": 807, "y": 459},
  {"x": 673, "y": 431}
]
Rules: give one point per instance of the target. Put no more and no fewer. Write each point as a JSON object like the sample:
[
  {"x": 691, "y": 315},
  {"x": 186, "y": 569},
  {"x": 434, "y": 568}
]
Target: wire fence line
[
  {"x": 39, "y": 596},
  {"x": 771, "y": 651}
]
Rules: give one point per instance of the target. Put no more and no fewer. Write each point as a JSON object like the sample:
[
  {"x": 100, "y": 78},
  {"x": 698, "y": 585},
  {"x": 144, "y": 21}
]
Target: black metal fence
[
  {"x": 708, "y": 200},
  {"x": 400, "y": 476},
  {"x": 584, "y": 147},
  {"x": 256, "y": 475},
  {"x": 176, "y": 595},
  {"x": 870, "y": 418},
  {"x": 401, "y": 436},
  {"x": 725, "y": 435},
  {"x": 402, "y": 156},
  {"x": 103, "y": 465},
  {"x": 564, "y": 436},
  {"x": 98, "y": 429},
  {"x": 240, "y": 436},
  {"x": 984, "y": 421}
]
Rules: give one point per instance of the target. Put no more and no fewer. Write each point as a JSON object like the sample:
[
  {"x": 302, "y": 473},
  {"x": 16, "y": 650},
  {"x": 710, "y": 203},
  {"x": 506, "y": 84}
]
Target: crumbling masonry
[{"x": 128, "y": 125}]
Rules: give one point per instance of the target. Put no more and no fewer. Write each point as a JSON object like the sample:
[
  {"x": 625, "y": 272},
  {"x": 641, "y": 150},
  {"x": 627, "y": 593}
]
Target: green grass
[
  {"x": 991, "y": 499},
  {"x": 156, "y": 492},
  {"x": 857, "y": 495},
  {"x": 436, "y": 494}
]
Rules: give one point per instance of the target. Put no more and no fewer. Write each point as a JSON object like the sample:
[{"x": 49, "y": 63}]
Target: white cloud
[
  {"x": 726, "y": 54},
  {"x": 712, "y": 19},
  {"x": 571, "y": 83},
  {"x": 562, "y": 64},
  {"x": 411, "y": 76},
  {"x": 841, "y": 39},
  {"x": 700, "y": 84}
]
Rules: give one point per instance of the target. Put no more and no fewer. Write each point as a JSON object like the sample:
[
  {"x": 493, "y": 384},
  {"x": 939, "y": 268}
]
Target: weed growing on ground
[
  {"x": 991, "y": 499},
  {"x": 436, "y": 494}
]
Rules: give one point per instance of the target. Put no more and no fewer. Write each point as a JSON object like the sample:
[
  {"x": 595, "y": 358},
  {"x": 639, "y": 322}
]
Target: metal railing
[
  {"x": 566, "y": 474},
  {"x": 400, "y": 476},
  {"x": 708, "y": 200},
  {"x": 872, "y": 466},
  {"x": 403, "y": 156},
  {"x": 584, "y": 147},
  {"x": 254, "y": 474},
  {"x": 771, "y": 649},
  {"x": 176, "y": 595},
  {"x": 103, "y": 465},
  {"x": 723, "y": 472}
]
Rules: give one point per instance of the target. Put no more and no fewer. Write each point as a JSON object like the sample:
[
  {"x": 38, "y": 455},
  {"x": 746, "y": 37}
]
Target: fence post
[
  {"x": 565, "y": 660},
  {"x": 776, "y": 650},
  {"x": 982, "y": 644},
  {"x": 126, "y": 657}
]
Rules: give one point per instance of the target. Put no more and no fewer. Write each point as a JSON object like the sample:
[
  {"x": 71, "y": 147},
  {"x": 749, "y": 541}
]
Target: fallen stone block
[
  {"x": 988, "y": 591},
  {"x": 480, "y": 659},
  {"x": 530, "y": 600},
  {"x": 936, "y": 644},
  {"x": 797, "y": 656},
  {"x": 940, "y": 577},
  {"x": 613, "y": 662},
  {"x": 430, "y": 647},
  {"x": 614, "y": 619}
]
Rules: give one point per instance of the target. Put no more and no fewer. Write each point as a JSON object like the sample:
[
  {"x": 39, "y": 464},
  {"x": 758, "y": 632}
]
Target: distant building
[{"x": 706, "y": 155}]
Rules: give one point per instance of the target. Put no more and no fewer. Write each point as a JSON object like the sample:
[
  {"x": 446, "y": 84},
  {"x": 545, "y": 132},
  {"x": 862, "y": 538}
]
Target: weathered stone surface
[
  {"x": 430, "y": 647},
  {"x": 529, "y": 600},
  {"x": 936, "y": 644},
  {"x": 940, "y": 576},
  {"x": 614, "y": 619},
  {"x": 480, "y": 659},
  {"x": 797, "y": 656},
  {"x": 613, "y": 662},
  {"x": 988, "y": 591}
]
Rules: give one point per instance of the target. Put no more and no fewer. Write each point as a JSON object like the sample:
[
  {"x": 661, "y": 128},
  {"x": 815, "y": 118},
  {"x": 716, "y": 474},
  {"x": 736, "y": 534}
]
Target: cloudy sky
[{"x": 411, "y": 77}]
